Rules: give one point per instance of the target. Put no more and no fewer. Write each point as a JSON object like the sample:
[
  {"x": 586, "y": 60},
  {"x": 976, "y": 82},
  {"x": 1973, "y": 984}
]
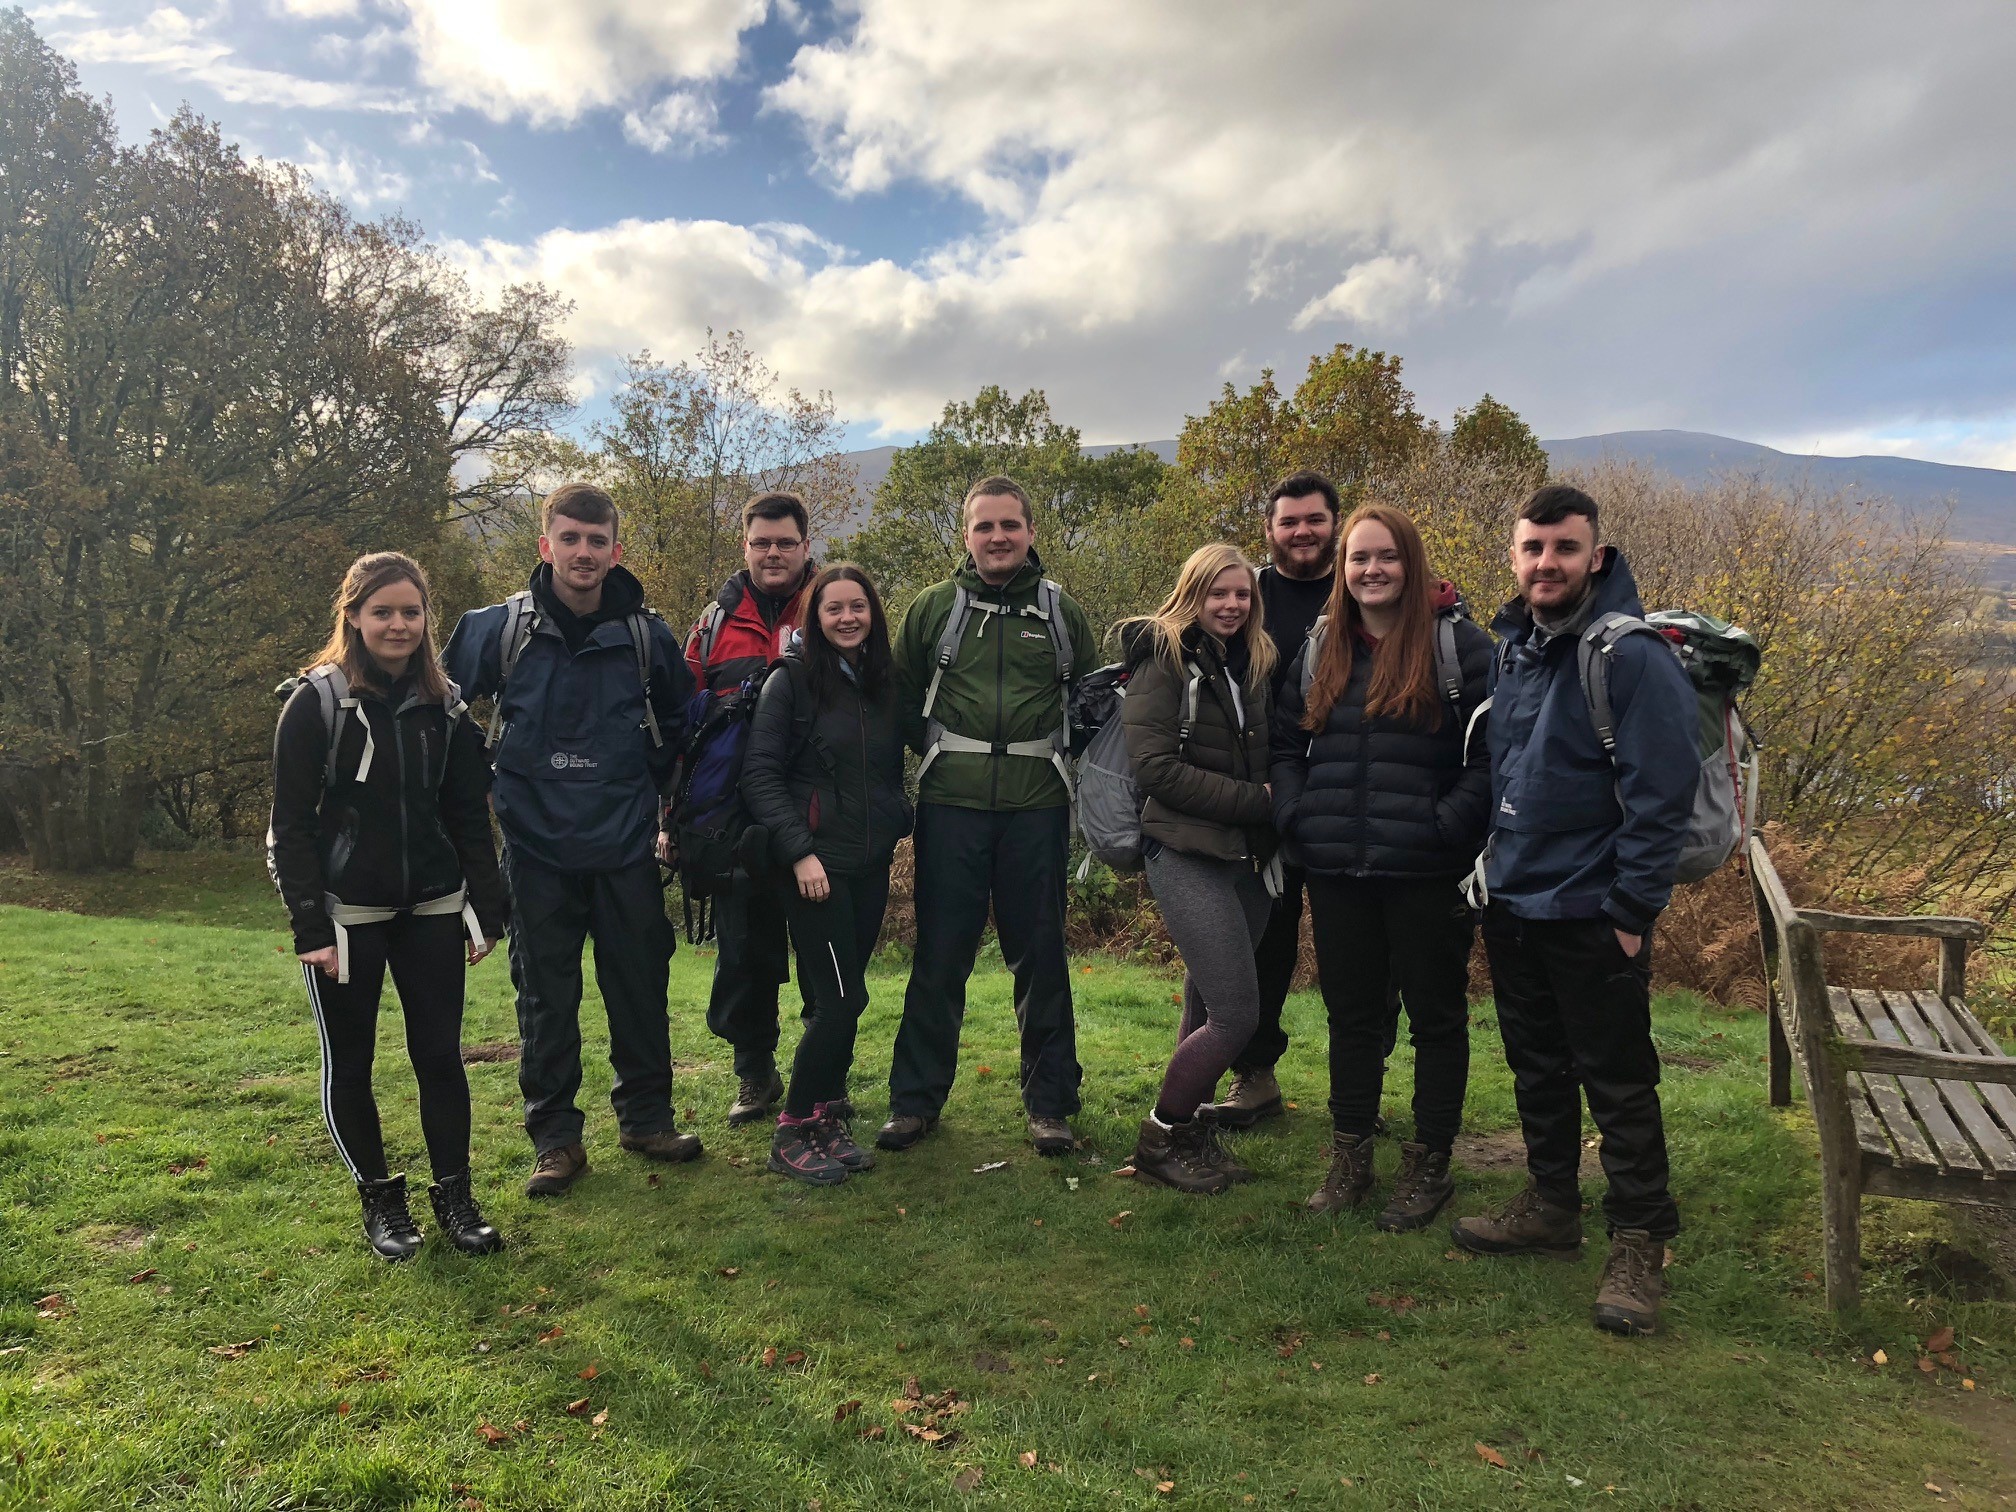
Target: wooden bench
[{"x": 1910, "y": 1095}]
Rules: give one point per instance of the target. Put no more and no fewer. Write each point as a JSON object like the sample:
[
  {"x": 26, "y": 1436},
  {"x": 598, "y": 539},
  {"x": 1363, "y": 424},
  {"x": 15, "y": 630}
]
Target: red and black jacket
[{"x": 742, "y": 632}]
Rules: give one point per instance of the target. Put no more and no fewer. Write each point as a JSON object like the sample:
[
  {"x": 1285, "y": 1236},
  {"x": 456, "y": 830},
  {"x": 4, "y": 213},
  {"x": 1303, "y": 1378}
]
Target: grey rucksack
[{"x": 1109, "y": 799}]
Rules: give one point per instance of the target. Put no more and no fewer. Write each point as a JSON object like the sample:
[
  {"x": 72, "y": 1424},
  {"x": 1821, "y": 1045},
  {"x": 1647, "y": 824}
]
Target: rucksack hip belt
[
  {"x": 950, "y": 740},
  {"x": 344, "y": 915}
]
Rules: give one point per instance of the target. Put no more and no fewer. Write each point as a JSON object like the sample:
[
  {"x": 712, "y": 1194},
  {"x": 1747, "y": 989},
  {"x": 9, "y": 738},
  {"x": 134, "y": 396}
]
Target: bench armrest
[
  {"x": 1911, "y": 924},
  {"x": 1876, "y": 1057}
]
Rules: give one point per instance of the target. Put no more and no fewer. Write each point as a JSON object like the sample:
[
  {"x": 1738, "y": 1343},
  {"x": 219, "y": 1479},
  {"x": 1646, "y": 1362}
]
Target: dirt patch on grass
[
  {"x": 1686, "y": 1062},
  {"x": 1991, "y": 1419},
  {"x": 115, "y": 1241},
  {"x": 1506, "y": 1151},
  {"x": 490, "y": 1052}
]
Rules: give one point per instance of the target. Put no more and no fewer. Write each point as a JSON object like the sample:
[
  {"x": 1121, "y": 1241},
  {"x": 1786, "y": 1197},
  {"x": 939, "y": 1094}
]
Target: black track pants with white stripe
[
  {"x": 834, "y": 940},
  {"x": 427, "y": 961}
]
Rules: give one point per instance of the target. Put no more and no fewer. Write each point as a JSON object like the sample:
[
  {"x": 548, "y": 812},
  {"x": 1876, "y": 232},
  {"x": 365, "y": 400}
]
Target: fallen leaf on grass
[
  {"x": 1163, "y": 1488},
  {"x": 1140, "y": 1309},
  {"x": 913, "y": 1389},
  {"x": 589, "y": 1374},
  {"x": 796, "y": 1357},
  {"x": 846, "y": 1409},
  {"x": 1121, "y": 1217},
  {"x": 1372, "y": 1379},
  {"x": 874, "y": 1431},
  {"x": 1967, "y": 1384},
  {"x": 234, "y": 1351},
  {"x": 967, "y": 1480},
  {"x": 1026, "y": 1459},
  {"x": 769, "y": 1357},
  {"x": 342, "y": 1409},
  {"x": 983, "y": 1070},
  {"x": 651, "y": 1181},
  {"x": 992, "y": 1165},
  {"x": 1187, "y": 1343},
  {"x": 1070, "y": 1183},
  {"x": 1880, "y": 1358},
  {"x": 1940, "y": 1342},
  {"x": 149, "y": 1274},
  {"x": 492, "y": 1436},
  {"x": 578, "y": 1407},
  {"x": 1126, "y": 1170},
  {"x": 729, "y": 1272},
  {"x": 1398, "y": 1304},
  {"x": 706, "y": 1371},
  {"x": 1925, "y": 1364},
  {"x": 55, "y": 1305},
  {"x": 555, "y": 1332},
  {"x": 1490, "y": 1456},
  {"x": 522, "y": 1426},
  {"x": 600, "y": 1418}
]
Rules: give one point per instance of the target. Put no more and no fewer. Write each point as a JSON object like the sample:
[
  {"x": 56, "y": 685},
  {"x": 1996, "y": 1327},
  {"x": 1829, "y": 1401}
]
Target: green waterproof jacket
[{"x": 1001, "y": 687}]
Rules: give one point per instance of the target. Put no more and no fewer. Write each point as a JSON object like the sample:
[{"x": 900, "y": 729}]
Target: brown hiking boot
[
  {"x": 1051, "y": 1136},
  {"x": 1634, "y": 1282},
  {"x": 1254, "y": 1095},
  {"x": 904, "y": 1130},
  {"x": 1527, "y": 1225},
  {"x": 1348, "y": 1182},
  {"x": 1178, "y": 1156},
  {"x": 754, "y": 1097},
  {"x": 1211, "y": 1129},
  {"x": 556, "y": 1170},
  {"x": 1419, "y": 1191},
  {"x": 664, "y": 1144}
]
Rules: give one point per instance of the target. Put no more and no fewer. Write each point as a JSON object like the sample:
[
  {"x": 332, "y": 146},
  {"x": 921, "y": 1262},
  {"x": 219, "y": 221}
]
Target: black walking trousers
[
  {"x": 553, "y": 914},
  {"x": 1576, "y": 1016},
  {"x": 427, "y": 960},
  {"x": 752, "y": 962},
  {"x": 834, "y": 939},
  {"x": 965, "y": 858}
]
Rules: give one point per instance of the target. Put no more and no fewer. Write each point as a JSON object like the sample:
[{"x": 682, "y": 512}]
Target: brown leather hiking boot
[
  {"x": 1419, "y": 1191},
  {"x": 1633, "y": 1284},
  {"x": 664, "y": 1144},
  {"x": 1179, "y": 1156},
  {"x": 1211, "y": 1129},
  {"x": 1527, "y": 1225},
  {"x": 1051, "y": 1136},
  {"x": 754, "y": 1097},
  {"x": 1349, "y": 1180},
  {"x": 556, "y": 1170},
  {"x": 904, "y": 1130},
  {"x": 1254, "y": 1095}
]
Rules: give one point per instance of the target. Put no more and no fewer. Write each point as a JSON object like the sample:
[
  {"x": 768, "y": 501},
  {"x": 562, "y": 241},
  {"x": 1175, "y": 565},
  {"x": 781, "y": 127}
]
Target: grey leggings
[{"x": 1216, "y": 912}]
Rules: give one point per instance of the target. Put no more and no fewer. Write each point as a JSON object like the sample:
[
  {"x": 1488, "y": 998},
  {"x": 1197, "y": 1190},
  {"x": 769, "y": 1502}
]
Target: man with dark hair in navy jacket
[
  {"x": 1586, "y": 835},
  {"x": 591, "y": 694}
]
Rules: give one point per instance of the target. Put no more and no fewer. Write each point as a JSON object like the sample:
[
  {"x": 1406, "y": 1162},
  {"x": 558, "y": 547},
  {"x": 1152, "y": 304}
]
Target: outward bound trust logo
[{"x": 561, "y": 761}]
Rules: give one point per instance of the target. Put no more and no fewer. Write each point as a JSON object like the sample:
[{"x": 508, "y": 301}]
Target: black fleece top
[
  {"x": 416, "y": 828},
  {"x": 1292, "y": 605}
]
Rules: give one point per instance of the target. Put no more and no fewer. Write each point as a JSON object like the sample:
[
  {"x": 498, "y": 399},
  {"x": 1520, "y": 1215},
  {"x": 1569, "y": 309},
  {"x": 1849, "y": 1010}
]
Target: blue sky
[{"x": 1787, "y": 222}]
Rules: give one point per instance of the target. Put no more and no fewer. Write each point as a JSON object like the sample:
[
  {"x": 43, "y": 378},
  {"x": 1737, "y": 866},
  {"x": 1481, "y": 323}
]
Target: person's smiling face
[
  {"x": 1373, "y": 572},
  {"x": 1228, "y": 603},
  {"x": 844, "y": 615},
  {"x": 392, "y": 623},
  {"x": 1553, "y": 563},
  {"x": 999, "y": 535},
  {"x": 580, "y": 554}
]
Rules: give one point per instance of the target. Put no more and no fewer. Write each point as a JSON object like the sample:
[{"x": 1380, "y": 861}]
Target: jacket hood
[
  {"x": 1137, "y": 644},
  {"x": 1446, "y": 597},
  {"x": 622, "y": 594},
  {"x": 1023, "y": 581},
  {"x": 1612, "y": 590}
]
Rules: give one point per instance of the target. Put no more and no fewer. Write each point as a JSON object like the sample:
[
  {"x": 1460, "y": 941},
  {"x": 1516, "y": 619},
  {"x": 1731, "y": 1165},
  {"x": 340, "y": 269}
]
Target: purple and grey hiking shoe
[
  {"x": 839, "y": 1141},
  {"x": 798, "y": 1150}
]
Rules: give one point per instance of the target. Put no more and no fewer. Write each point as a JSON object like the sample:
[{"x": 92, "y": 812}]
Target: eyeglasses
[{"x": 764, "y": 544}]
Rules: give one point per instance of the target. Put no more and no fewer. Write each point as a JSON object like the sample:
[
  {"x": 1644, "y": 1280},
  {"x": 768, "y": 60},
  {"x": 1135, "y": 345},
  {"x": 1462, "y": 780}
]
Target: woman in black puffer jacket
[
  {"x": 824, "y": 775},
  {"x": 1382, "y": 790},
  {"x": 380, "y": 845}
]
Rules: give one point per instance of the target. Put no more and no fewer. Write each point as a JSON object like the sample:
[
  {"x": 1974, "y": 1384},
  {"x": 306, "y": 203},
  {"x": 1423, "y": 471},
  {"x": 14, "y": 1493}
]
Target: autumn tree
[
  {"x": 215, "y": 389},
  {"x": 1492, "y": 433}
]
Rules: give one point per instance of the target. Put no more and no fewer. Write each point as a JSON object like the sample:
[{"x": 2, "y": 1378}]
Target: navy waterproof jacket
[
  {"x": 1575, "y": 835},
  {"x": 578, "y": 781}
]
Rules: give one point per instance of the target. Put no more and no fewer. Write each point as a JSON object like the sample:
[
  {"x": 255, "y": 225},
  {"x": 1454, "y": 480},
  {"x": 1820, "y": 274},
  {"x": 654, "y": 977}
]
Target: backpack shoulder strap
[
  {"x": 1190, "y": 692},
  {"x": 1592, "y": 660},
  {"x": 453, "y": 707},
  {"x": 1312, "y": 647},
  {"x": 639, "y": 626},
  {"x": 1448, "y": 666},
  {"x": 948, "y": 642},
  {"x": 708, "y": 631},
  {"x": 1050, "y": 600},
  {"x": 332, "y": 691},
  {"x": 520, "y": 615}
]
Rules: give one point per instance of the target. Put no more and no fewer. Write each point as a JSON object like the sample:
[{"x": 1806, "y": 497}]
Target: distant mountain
[{"x": 1983, "y": 499}]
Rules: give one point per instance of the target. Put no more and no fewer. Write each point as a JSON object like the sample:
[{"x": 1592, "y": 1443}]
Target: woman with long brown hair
[
  {"x": 1195, "y": 718},
  {"x": 380, "y": 845},
  {"x": 1382, "y": 791}
]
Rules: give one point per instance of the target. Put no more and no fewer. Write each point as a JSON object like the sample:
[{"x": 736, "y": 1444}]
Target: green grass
[{"x": 163, "y": 1167}]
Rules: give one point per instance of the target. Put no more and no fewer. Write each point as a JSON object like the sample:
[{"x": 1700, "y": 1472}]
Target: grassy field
[{"x": 189, "y": 1318}]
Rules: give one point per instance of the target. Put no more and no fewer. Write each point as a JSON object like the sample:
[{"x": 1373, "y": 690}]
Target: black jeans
[
  {"x": 553, "y": 914},
  {"x": 1576, "y": 1015},
  {"x": 426, "y": 958},
  {"x": 1375, "y": 935},
  {"x": 965, "y": 858},
  {"x": 752, "y": 960},
  {"x": 834, "y": 939}
]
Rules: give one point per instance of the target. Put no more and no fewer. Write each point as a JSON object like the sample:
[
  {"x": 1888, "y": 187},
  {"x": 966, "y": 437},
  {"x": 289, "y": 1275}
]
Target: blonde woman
[
  {"x": 380, "y": 846},
  {"x": 1196, "y": 719}
]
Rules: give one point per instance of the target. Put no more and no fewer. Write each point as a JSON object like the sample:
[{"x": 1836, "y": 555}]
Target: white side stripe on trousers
[
  {"x": 838, "y": 979},
  {"x": 328, "y": 1074}
]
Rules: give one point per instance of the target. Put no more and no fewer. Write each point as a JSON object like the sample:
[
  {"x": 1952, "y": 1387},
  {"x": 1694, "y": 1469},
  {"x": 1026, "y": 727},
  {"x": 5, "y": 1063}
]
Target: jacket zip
[
  {"x": 405, "y": 837},
  {"x": 1000, "y": 695},
  {"x": 867, "y": 807}
]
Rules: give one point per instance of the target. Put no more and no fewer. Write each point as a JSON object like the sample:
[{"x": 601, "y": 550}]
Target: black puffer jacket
[
  {"x": 1380, "y": 797},
  {"x": 826, "y": 781},
  {"x": 1207, "y": 797},
  {"x": 411, "y": 831}
]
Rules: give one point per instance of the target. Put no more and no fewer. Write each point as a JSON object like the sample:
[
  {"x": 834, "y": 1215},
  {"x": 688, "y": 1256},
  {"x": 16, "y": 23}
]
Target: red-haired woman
[
  {"x": 380, "y": 845},
  {"x": 1382, "y": 791}
]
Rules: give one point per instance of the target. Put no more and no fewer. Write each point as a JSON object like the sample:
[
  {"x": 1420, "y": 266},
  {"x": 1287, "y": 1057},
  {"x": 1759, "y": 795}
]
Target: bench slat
[
  {"x": 1961, "y": 1097},
  {"x": 1964, "y": 1032},
  {"x": 1875, "y": 1103},
  {"x": 1954, "y": 1151}
]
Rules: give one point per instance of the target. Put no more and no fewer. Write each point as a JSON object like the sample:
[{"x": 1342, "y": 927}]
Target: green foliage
[
  {"x": 1492, "y": 433},
  {"x": 214, "y": 1212}
]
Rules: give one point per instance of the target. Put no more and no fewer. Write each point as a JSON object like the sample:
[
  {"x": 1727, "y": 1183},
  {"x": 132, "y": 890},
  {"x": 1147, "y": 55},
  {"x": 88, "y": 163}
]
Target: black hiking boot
[
  {"x": 904, "y": 1130},
  {"x": 1419, "y": 1191},
  {"x": 1179, "y": 1156},
  {"x": 1211, "y": 1129},
  {"x": 461, "y": 1220},
  {"x": 1348, "y": 1182},
  {"x": 1633, "y": 1284},
  {"x": 755, "y": 1096},
  {"x": 556, "y": 1170},
  {"x": 667, "y": 1144},
  {"x": 838, "y": 1139},
  {"x": 797, "y": 1151},
  {"x": 1254, "y": 1095},
  {"x": 1527, "y": 1225},
  {"x": 388, "y": 1225}
]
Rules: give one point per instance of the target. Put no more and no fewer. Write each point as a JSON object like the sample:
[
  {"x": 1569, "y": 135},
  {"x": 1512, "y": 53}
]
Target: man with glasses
[{"x": 742, "y": 632}]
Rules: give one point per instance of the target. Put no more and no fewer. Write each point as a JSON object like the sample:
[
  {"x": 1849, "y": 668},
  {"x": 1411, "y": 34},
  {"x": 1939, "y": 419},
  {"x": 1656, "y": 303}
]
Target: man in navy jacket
[
  {"x": 586, "y": 748},
  {"x": 1583, "y": 847}
]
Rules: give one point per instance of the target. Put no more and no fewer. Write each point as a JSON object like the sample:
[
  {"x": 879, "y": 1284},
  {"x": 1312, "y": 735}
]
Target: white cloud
[
  {"x": 552, "y": 60},
  {"x": 1381, "y": 293},
  {"x": 319, "y": 10},
  {"x": 361, "y": 180},
  {"x": 682, "y": 122}
]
